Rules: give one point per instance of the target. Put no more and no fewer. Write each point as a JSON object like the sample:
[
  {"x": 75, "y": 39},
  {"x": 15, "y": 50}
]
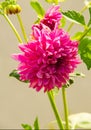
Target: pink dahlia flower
[
  {"x": 51, "y": 19},
  {"x": 47, "y": 60}
]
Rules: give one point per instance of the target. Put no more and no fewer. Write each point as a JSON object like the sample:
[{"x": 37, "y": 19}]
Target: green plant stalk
[
  {"x": 22, "y": 28},
  {"x": 72, "y": 24},
  {"x": 65, "y": 107},
  {"x": 13, "y": 28},
  {"x": 84, "y": 34},
  {"x": 53, "y": 104},
  {"x": 83, "y": 9}
]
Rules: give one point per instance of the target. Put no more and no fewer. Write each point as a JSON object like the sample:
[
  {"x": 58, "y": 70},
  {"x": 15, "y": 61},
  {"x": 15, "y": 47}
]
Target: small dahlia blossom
[
  {"x": 52, "y": 18},
  {"x": 47, "y": 60}
]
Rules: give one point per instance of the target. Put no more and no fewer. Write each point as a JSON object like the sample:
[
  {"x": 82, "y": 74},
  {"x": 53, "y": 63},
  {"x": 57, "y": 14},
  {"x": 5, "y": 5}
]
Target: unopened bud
[
  {"x": 18, "y": 9},
  {"x": 13, "y": 9}
]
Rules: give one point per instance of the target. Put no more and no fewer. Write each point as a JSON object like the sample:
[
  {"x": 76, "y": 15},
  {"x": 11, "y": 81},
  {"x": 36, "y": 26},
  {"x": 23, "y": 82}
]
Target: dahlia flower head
[{"x": 49, "y": 57}]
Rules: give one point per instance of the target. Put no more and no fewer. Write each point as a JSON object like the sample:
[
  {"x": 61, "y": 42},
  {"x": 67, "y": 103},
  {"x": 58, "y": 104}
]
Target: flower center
[
  {"x": 55, "y": 62},
  {"x": 50, "y": 24},
  {"x": 59, "y": 62}
]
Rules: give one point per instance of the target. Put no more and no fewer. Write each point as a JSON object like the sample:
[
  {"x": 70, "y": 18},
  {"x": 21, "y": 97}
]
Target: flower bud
[
  {"x": 12, "y": 9},
  {"x": 18, "y": 9}
]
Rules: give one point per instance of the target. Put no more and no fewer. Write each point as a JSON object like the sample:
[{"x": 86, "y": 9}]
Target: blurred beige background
[{"x": 18, "y": 103}]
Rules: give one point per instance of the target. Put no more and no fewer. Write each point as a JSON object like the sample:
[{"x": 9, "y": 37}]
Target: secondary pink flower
[
  {"x": 51, "y": 19},
  {"x": 48, "y": 59}
]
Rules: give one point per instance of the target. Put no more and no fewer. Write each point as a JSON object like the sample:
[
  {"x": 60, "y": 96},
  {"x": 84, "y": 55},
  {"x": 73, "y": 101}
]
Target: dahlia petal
[
  {"x": 39, "y": 75},
  {"x": 19, "y": 57},
  {"x": 40, "y": 82},
  {"x": 22, "y": 47},
  {"x": 54, "y": 10},
  {"x": 33, "y": 84},
  {"x": 36, "y": 32},
  {"x": 38, "y": 88},
  {"x": 15, "y": 56}
]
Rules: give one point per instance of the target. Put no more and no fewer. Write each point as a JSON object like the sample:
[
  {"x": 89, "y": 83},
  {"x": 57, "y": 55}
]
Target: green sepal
[
  {"x": 69, "y": 83},
  {"x": 37, "y": 21},
  {"x": 15, "y": 74}
]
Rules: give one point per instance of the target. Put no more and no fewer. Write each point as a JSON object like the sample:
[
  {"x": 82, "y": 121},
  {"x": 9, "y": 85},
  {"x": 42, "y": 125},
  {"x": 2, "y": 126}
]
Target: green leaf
[
  {"x": 74, "y": 17},
  {"x": 29, "y": 127},
  {"x": 36, "y": 124},
  {"x": 89, "y": 33},
  {"x": 38, "y": 8},
  {"x": 85, "y": 51},
  {"x": 80, "y": 120},
  {"x": 26, "y": 127},
  {"x": 15, "y": 74},
  {"x": 89, "y": 23}
]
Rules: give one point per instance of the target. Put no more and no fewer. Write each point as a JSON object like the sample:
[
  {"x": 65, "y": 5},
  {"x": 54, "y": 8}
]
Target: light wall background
[{"x": 20, "y": 104}]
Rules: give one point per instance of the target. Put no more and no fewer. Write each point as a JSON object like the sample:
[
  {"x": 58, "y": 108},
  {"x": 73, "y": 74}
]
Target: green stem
[
  {"x": 13, "y": 28},
  {"x": 22, "y": 28},
  {"x": 84, "y": 34},
  {"x": 65, "y": 107},
  {"x": 53, "y": 104},
  {"x": 83, "y": 9},
  {"x": 70, "y": 26}
]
